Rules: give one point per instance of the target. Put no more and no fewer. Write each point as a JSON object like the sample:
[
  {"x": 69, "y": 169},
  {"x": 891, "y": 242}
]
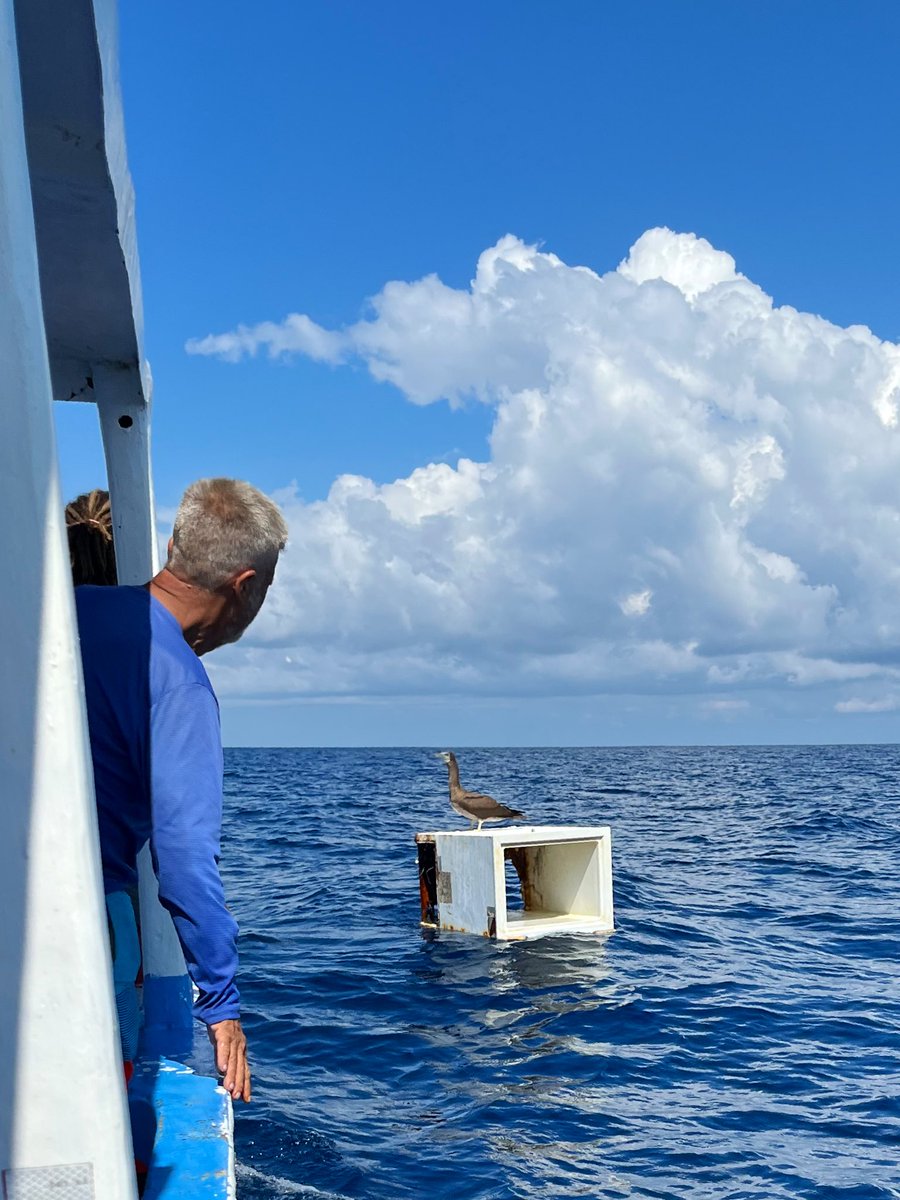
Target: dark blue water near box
[{"x": 737, "y": 1037}]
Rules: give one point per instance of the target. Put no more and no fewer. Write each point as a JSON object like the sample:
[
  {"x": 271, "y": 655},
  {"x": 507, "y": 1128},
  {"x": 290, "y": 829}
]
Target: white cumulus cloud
[
  {"x": 637, "y": 604},
  {"x": 688, "y": 489}
]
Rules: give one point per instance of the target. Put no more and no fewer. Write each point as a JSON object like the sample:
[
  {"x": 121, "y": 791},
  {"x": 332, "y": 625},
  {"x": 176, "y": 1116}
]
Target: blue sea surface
[{"x": 737, "y": 1036}]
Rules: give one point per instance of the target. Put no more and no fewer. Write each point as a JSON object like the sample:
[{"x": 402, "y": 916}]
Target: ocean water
[{"x": 737, "y": 1036}]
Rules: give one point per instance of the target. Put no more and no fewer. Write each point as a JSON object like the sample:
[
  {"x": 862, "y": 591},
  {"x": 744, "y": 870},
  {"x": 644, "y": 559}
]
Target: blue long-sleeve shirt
[{"x": 157, "y": 751}]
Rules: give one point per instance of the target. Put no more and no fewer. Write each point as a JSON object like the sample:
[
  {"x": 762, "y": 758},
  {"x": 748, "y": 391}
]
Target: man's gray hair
[{"x": 224, "y": 526}]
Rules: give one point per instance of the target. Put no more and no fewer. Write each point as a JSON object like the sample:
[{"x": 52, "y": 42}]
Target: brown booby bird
[{"x": 473, "y": 805}]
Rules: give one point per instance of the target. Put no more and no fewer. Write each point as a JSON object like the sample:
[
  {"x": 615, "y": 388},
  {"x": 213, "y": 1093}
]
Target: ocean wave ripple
[{"x": 738, "y": 1036}]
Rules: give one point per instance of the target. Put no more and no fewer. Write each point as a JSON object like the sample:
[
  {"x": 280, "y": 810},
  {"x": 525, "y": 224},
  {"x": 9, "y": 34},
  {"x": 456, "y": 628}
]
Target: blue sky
[{"x": 297, "y": 157}]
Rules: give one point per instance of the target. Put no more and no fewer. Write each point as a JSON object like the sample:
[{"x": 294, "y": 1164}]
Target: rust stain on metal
[
  {"x": 522, "y": 859},
  {"x": 444, "y": 886},
  {"x": 428, "y": 884}
]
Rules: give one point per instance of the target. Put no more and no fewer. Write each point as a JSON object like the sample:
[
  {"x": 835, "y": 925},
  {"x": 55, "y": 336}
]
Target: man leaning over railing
[{"x": 156, "y": 741}]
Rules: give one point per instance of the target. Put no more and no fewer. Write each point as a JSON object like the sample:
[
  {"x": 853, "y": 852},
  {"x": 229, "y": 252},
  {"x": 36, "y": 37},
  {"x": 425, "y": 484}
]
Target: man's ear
[
  {"x": 240, "y": 579},
  {"x": 169, "y": 547}
]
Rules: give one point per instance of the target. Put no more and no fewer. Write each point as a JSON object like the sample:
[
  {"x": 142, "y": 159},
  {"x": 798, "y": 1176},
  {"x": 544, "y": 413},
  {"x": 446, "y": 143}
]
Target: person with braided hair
[{"x": 89, "y": 530}]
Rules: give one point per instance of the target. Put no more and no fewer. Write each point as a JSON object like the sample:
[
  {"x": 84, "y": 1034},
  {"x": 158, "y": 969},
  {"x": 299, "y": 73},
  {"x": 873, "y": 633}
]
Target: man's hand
[{"x": 230, "y": 1046}]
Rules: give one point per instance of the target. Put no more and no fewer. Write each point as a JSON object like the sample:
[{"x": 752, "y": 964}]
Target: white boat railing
[
  {"x": 64, "y": 1121},
  {"x": 70, "y": 329},
  {"x": 84, "y": 221}
]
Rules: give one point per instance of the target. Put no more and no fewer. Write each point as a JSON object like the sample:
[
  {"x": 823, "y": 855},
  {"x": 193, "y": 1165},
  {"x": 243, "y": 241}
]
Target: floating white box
[{"x": 564, "y": 872}]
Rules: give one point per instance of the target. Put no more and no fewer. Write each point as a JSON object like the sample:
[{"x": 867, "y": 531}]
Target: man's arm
[{"x": 186, "y": 804}]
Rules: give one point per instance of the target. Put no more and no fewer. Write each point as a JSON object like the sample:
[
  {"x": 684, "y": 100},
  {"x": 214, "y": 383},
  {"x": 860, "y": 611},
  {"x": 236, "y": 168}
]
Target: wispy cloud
[
  {"x": 296, "y": 334},
  {"x": 856, "y": 705},
  {"x": 726, "y": 707}
]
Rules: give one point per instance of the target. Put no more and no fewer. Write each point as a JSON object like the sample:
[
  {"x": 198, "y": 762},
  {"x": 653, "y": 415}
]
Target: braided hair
[{"x": 89, "y": 529}]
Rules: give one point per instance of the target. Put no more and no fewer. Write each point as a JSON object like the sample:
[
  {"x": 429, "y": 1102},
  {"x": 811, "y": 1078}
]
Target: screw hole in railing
[{"x": 126, "y": 422}]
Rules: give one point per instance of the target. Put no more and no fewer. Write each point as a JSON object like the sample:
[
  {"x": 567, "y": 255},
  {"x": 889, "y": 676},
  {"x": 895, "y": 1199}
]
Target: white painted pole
[
  {"x": 125, "y": 425},
  {"x": 63, "y": 1119}
]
